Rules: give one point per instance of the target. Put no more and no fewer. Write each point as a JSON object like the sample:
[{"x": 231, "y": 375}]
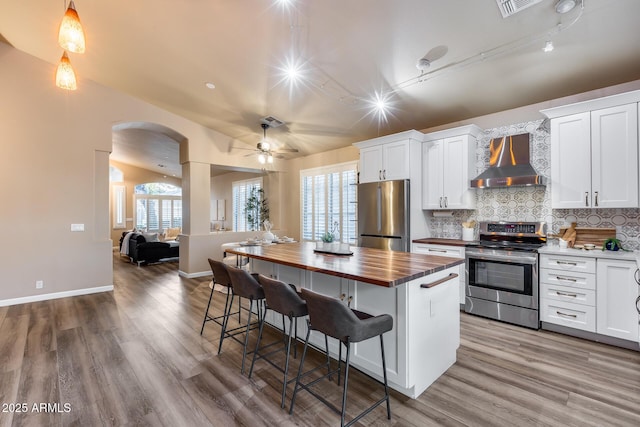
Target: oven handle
[{"x": 527, "y": 259}]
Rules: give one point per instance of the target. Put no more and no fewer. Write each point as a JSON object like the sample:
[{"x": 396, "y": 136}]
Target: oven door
[{"x": 502, "y": 276}]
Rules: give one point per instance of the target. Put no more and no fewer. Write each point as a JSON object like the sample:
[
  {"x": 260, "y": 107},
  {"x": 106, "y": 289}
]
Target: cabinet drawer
[
  {"x": 574, "y": 279},
  {"x": 549, "y": 292},
  {"x": 567, "y": 314},
  {"x": 568, "y": 263},
  {"x": 441, "y": 250}
]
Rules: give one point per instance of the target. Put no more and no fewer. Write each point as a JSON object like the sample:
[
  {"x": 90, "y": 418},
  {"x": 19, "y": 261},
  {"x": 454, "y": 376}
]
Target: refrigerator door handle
[{"x": 379, "y": 208}]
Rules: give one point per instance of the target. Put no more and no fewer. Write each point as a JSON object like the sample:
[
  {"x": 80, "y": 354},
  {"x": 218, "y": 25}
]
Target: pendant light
[
  {"x": 71, "y": 34},
  {"x": 65, "y": 76}
]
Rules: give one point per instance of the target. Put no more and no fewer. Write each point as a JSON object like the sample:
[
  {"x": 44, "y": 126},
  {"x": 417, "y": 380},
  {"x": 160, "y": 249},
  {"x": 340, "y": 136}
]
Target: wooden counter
[{"x": 375, "y": 266}]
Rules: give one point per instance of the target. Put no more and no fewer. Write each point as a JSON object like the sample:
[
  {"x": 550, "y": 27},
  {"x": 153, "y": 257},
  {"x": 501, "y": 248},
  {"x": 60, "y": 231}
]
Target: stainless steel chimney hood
[{"x": 509, "y": 164}]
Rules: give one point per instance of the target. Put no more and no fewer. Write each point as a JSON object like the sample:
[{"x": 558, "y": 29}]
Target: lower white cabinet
[
  {"x": 616, "y": 295},
  {"x": 593, "y": 295},
  {"x": 448, "y": 251}
]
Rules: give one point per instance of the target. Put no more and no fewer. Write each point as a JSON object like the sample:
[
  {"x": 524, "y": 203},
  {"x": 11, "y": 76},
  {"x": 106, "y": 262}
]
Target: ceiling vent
[
  {"x": 511, "y": 7},
  {"x": 271, "y": 121}
]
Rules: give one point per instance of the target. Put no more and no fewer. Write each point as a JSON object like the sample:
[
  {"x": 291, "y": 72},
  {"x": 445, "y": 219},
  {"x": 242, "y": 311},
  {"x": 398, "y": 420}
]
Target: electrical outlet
[{"x": 39, "y": 284}]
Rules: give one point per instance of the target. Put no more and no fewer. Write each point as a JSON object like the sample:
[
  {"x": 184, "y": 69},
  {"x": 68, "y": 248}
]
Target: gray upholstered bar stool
[
  {"x": 220, "y": 277},
  {"x": 246, "y": 285},
  {"x": 331, "y": 317},
  {"x": 284, "y": 299}
]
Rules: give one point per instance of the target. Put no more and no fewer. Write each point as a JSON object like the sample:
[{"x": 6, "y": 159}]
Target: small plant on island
[{"x": 613, "y": 245}]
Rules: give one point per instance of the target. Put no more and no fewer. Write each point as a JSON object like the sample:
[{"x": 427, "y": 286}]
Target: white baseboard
[
  {"x": 194, "y": 275},
  {"x": 55, "y": 295}
]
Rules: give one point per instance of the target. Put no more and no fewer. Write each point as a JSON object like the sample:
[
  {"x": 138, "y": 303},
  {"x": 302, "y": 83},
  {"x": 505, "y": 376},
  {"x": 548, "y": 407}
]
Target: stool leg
[
  {"x": 384, "y": 372},
  {"x": 339, "y": 359},
  {"x": 246, "y": 335},
  {"x": 295, "y": 340},
  {"x": 213, "y": 285},
  {"x": 225, "y": 322},
  {"x": 255, "y": 352},
  {"x": 304, "y": 353},
  {"x": 286, "y": 362},
  {"x": 346, "y": 380}
]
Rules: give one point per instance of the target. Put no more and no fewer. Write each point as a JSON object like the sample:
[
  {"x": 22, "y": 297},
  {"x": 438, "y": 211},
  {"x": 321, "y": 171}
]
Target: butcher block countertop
[{"x": 375, "y": 266}]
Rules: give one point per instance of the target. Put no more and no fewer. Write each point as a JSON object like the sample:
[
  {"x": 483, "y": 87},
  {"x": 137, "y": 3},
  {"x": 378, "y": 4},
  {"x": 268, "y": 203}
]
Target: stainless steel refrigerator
[{"x": 383, "y": 215}]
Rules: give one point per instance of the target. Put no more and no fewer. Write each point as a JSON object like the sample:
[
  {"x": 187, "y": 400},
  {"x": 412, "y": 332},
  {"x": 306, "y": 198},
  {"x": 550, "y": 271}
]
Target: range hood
[{"x": 509, "y": 164}]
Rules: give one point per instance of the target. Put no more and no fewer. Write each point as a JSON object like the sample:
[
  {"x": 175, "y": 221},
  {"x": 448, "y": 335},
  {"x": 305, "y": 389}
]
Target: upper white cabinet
[
  {"x": 387, "y": 158},
  {"x": 594, "y": 153},
  {"x": 448, "y": 159}
]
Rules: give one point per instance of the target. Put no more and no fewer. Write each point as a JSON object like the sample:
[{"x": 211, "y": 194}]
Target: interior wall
[{"x": 55, "y": 157}]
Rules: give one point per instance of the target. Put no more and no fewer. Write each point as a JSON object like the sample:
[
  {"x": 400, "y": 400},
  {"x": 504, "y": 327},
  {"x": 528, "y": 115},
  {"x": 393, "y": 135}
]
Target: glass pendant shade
[
  {"x": 71, "y": 34},
  {"x": 65, "y": 76}
]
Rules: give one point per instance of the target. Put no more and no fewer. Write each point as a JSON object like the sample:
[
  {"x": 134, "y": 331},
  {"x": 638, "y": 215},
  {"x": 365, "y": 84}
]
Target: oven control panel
[
  {"x": 514, "y": 228},
  {"x": 511, "y": 228}
]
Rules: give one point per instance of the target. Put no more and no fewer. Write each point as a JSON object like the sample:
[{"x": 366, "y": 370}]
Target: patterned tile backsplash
[{"x": 532, "y": 203}]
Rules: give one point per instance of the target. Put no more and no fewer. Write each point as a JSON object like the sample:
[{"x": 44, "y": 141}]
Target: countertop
[
  {"x": 375, "y": 266},
  {"x": 594, "y": 253},
  {"x": 445, "y": 242}
]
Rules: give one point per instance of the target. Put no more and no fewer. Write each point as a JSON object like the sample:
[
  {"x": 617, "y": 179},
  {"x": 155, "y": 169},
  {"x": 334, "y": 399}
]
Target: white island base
[{"x": 426, "y": 323}]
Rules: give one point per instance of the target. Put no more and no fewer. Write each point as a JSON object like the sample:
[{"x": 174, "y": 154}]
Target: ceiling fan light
[
  {"x": 270, "y": 158},
  {"x": 71, "y": 34},
  {"x": 262, "y": 159},
  {"x": 564, "y": 6},
  {"x": 65, "y": 76}
]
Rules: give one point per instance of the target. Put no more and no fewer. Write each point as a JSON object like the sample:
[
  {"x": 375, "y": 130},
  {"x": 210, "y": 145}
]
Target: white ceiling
[{"x": 164, "y": 51}]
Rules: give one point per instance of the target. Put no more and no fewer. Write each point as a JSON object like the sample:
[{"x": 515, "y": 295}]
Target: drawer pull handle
[
  {"x": 567, "y": 263},
  {"x": 349, "y": 300},
  {"x": 440, "y": 281},
  {"x": 566, "y": 315},
  {"x": 567, "y": 279},
  {"x": 437, "y": 250},
  {"x": 564, "y": 294}
]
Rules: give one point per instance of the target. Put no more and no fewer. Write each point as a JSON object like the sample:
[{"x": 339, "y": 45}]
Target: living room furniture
[{"x": 144, "y": 252}]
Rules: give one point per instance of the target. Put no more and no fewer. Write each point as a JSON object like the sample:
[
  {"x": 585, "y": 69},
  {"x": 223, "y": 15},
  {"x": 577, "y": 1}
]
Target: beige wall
[
  {"x": 55, "y": 172},
  {"x": 134, "y": 176}
]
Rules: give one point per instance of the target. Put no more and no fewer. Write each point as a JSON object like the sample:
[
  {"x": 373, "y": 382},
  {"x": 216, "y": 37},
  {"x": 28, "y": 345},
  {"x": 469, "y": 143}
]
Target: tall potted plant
[{"x": 256, "y": 208}]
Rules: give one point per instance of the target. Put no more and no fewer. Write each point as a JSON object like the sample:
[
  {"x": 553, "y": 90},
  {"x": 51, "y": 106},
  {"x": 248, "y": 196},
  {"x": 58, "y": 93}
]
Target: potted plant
[
  {"x": 613, "y": 244},
  {"x": 256, "y": 208}
]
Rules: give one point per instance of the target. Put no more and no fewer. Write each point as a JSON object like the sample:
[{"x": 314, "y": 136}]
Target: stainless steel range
[{"x": 502, "y": 272}]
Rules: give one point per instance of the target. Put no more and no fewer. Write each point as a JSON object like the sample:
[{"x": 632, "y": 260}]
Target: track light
[
  {"x": 71, "y": 34},
  {"x": 548, "y": 47}
]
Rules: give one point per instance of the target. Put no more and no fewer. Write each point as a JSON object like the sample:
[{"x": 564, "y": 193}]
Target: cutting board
[{"x": 597, "y": 236}]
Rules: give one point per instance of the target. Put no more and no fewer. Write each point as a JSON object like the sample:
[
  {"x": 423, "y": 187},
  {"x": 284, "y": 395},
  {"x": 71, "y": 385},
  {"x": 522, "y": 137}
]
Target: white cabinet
[
  {"x": 567, "y": 291},
  {"x": 594, "y": 158},
  {"x": 448, "y": 251},
  {"x": 593, "y": 295},
  {"x": 387, "y": 158},
  {"x": 448, "y": 164},
  {"x": 616, "y": 296}
]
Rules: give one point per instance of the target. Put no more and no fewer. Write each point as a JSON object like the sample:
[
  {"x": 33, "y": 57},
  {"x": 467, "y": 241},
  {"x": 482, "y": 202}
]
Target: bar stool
[
  {"x": 246, "y": 285},
  {"x": 220, "y": 277},
  {"x": 284, "y": 299},
  {"x": 331, "y": 317}
]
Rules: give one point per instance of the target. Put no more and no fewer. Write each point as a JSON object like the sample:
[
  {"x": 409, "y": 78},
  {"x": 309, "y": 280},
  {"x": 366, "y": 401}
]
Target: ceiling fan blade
[{"x": 286, "y": 150}]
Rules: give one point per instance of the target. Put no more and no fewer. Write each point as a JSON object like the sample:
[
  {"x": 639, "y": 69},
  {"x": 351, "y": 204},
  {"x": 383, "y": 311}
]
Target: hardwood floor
[{"x": 135, "y": 357}]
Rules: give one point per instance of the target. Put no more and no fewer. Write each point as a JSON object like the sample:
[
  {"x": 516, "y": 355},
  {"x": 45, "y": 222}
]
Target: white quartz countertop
[{"x": 594, "y": 253}]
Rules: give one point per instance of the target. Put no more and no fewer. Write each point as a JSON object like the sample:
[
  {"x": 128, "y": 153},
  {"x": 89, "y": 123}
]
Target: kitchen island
[{"x": 419, "y": 291}]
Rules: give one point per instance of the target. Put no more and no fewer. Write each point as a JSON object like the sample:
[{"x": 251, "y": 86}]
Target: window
[
  {"x": 158, "y": 206},
  {"x": 119, "y": 206},
  {"x": 241, "y": 192},
  {"x": 329, "y": 195}
]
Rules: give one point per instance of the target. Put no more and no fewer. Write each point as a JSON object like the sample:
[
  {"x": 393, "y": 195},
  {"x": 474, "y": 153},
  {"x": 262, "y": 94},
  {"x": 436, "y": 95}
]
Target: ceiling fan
[{"x": 266, "y": 153}]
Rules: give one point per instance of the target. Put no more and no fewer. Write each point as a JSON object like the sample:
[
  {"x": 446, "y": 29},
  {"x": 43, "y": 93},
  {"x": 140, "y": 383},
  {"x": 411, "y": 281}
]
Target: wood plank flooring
[{"x": 135, "y": 357}]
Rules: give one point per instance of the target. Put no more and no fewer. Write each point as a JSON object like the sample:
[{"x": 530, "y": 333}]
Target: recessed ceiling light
[
  {"x": 548, "y": 47},
  {"x": 210, "y": 85},
  {"x": 564, "y": 6}
]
